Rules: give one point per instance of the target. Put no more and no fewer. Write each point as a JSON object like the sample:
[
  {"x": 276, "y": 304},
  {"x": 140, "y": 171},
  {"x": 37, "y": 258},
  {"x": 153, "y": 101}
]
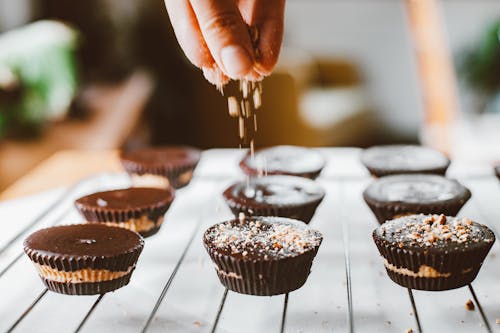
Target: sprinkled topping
[
  {"x": 434, "y": 230},
  {"x": 263, "y": 237}
]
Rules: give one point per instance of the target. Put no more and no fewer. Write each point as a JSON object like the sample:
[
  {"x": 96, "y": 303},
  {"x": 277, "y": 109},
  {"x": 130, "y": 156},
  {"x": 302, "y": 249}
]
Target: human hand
[{"x": 215, "y": 37}]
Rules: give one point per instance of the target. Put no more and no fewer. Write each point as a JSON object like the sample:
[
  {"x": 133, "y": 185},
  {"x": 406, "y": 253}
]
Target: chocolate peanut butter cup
[
  {"x": 262, "y": 256},
  {"x": 284, "y": 160},
  {"x": 161, "y": 166},
  {"x": 285, "y": 196},
  {"x": 394, "y": 196},
  {"x": 433, "y": 252},
  {"x": 139, "y": 209},
  {"x": 84, "y": 259},
  {"x": 396, "y": 159}
]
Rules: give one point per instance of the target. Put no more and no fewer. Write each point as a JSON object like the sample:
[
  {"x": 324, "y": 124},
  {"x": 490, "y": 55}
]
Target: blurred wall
[
  {"x": 375, "y": 34},
  {"x": 14, "y": 13}
]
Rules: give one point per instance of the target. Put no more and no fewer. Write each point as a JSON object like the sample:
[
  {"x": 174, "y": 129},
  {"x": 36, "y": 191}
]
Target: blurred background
[{"x": 108, "y": 74}]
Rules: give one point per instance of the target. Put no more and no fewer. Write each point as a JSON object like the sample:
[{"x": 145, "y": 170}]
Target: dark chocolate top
[
  {"x": 275, "y": 190},
  {"x": 262, "y": 238},
  {"x": 415, "y": 188},
  {"x": 403, "y": 157},
  {"x": 157, "y": 157},
  {"x": 84, "y": 240},
  {"x": 127, "y": 199},
  {"x": 434, "y": 232},
  {"x": 291, "y": 160}
]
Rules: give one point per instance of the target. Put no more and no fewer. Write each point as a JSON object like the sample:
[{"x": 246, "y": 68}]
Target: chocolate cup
[
  {"x": 114, "y": 259},
  {"x": 92, "y": 288},
  {"x": 253, "y": 275},
  {"x": 497, "y": 171},
  {"x": 463, "y": 264},
  {"x": 70, "y": 263},
  {"x": 154, "y": 211},
  {"x": 303, "y": 211},
  {"x": 171, "y": 171},
  {"x": 312, "y": 173},
  {"x": 376, "y": 172},
  {"x": 384, "y": 211}
]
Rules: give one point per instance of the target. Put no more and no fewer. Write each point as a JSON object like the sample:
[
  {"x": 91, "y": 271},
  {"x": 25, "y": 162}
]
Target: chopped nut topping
[
  {"x": 429, "y": 230},
  {"x": 469, "y": 305},
  {"x": 263, "y": 238}
]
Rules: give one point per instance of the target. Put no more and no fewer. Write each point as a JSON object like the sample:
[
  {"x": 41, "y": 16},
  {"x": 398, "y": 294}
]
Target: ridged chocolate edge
[
  {"x": 384, "y": 211},
  {"x": 71, "y": 263},
  {"x": 303, "y": 212},
  {"x": 172, "y": 173},
  {"x": 104, "y": 214},
  {"x": 455, "y": 262},
  {"x": 90, "y": 288},
  {"x": 263, "y": 277}
]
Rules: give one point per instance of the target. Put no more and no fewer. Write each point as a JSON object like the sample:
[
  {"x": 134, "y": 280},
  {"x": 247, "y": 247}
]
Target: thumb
[{"x": 226, "y": 35}]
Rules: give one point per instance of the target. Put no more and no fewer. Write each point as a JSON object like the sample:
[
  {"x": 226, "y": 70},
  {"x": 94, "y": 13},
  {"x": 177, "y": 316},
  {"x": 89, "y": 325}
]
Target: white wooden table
[{"x": 176, "y": 285}]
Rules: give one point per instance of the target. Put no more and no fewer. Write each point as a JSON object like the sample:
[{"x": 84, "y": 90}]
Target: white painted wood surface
[{"x": 193, "y": 296}]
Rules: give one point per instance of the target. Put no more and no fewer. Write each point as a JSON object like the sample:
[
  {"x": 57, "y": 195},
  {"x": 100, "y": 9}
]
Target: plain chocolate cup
[
  {"x": 70, "y": 263},
  {"x": 95, "y": 214},
  {"x": 385, "y": 211},
  {"x": 173, "y": 172},
  {"x": 299, "y": 211}
]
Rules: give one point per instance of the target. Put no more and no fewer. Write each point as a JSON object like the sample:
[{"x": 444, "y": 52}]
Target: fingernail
[{"x": 236, "y": 60}]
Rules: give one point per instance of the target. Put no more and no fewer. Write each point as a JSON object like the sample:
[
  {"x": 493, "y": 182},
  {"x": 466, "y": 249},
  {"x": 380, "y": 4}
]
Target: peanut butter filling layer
[
  {"x": 423, "y": 272},
  {"x": 80, "y": 276},
  {"x": 186, "y": 177},
  {"x": 142, "y": 224},
  {"x": 149, "y": 180},
  {"x": 228, "y": 274}
]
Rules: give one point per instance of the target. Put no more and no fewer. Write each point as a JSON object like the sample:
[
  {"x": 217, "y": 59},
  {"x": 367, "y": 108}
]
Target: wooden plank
[
  {"x": 321, "y": 304},
  {"x": 379, "y": 305}
]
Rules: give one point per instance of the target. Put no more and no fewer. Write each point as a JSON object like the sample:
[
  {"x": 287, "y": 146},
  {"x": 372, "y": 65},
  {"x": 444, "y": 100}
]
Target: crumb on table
[{"x": 469, "y": 305}]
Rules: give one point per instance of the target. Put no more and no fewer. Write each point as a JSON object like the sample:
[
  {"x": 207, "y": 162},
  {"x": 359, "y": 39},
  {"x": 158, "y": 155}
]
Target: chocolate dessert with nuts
[
  {"x": 394, "y": 196},
  {"x": 139, "y": 209},
  {"x": 262, "y": 256},
  {"x": 84, "y": 259},
  {"x": 161, "y": 166},
  {"x": 396, "y": 159},
  {"x": 285, "y": 196},
  {"x": 284, "y": 160},
  {"x": 433, "y": 252}
]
